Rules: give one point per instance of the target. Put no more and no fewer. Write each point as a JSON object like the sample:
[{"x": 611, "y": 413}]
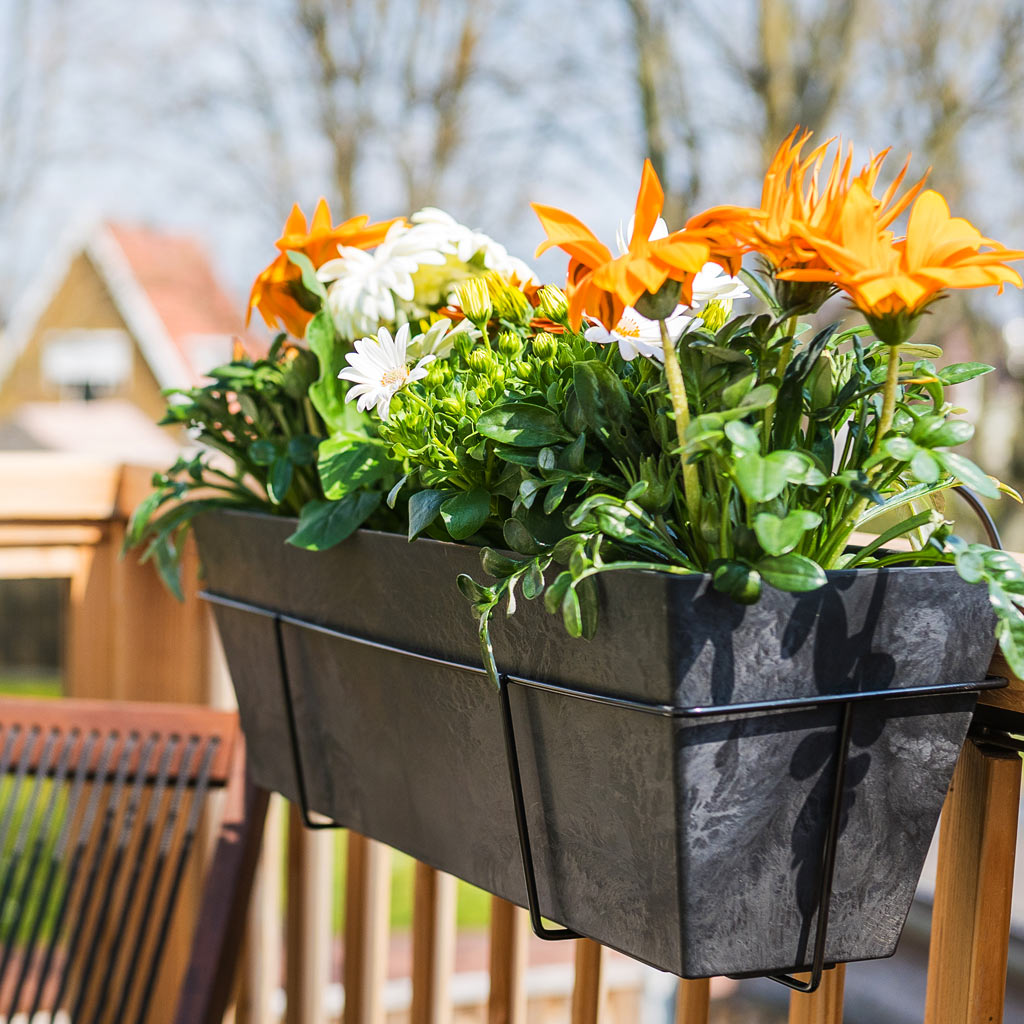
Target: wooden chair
[{"x": 101, "y": 803}]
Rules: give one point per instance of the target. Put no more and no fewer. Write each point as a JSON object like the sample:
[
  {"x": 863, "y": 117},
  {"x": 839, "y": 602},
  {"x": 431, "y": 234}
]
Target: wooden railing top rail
[{"x": 59, "y": 489}]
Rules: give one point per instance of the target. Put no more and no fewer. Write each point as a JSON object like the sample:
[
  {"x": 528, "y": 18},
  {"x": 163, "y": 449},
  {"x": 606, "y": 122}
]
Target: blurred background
[{"x": 149, "y": 155}]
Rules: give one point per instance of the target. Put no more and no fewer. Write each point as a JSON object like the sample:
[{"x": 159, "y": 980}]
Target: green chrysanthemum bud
[
  {"x": 453, "y": 406},
  {"x": 509, "y": 344},
  {"x": 553, "y": 303},
  {"x": 545, "y": 346},
  {"x": 436, "y": 375},
  {"x": 716, "y": 313},
  {"x": 482, "y": 361},
  {"x": 463, "y": 343},
  {"x": 475, "y": 300}
]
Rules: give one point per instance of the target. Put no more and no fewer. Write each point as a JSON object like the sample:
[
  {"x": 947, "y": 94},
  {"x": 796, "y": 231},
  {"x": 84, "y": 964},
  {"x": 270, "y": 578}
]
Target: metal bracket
[{"x": 997, "y": 732}]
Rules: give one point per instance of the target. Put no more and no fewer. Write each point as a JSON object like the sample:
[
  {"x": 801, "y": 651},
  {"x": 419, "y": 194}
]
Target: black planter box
[{"x": 693, "y": 845}]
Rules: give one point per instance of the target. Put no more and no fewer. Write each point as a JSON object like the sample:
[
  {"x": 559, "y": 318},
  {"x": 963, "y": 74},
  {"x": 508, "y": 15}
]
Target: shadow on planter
[{"x": 693, "y": 844}]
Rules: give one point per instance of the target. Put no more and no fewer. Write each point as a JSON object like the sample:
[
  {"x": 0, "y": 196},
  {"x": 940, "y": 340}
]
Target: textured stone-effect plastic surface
[{"x": 692, "y": 845}]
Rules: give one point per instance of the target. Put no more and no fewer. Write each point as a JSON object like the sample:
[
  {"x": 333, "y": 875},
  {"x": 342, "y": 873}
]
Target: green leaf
[
  {"x": 760, "y": 398},
  {"x": 604, "y": 402},
  {"x": 498, "y": 565},
  {"x": 280, "y": 479},
  {"x": 925, "y": 467},
  {"x": 905, "y": 526},
  {"x": 970, "y": 565},
  {"x": 302, "y": 450},
  {"x": 346, "y": 465},
  {"x": 424, "y": 507},
  {"x": 571, "y": 613},
  {"x": 952, "y": 432},
  {"x": 900, "y": 448},
  {"x": 522, "y": 425},
  {"x": 738, "y": 389},
  {"x": 586, "y": 592},
  {"x": 738, "y": 580},
  {"x": 519, "y": 538},
  {"x": 957, "y": 373},
  {"x": 967, "y": 472},
  {"x": 464, "y": 514},
  {"x": 761, "y": 479},
  {"x": 472, "y": 590},
  {"x": 556, "y": 592},
  {"x": 779, "y": 536},
  {"x": 309, "y": 279},
  {"x": 262, "y": 453},
  {"x": 533, "y": 582},
  {"x": 328, "y": 393},
  {"x": 792, "y": 572},
  {"x": 323, "y": 524},
  {"x": 743, "y": 436}
]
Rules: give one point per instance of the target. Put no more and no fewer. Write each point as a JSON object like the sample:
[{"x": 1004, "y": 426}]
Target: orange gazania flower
[
  {"x": 800, "y": 206},
  {"x": 603, "y": 285},
  {"x": 277, "y": 292},
  {"x": 892, "y": 281}
]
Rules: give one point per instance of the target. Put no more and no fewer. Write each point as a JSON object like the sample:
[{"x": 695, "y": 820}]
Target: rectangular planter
[{"x": 693, "y": 845}]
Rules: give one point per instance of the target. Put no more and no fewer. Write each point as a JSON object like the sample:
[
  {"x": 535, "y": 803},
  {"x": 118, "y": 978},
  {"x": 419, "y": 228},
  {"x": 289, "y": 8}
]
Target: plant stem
[
  {"x": 681, "y": 407},
  {"x": 892, "y": 383},
  {"x": 784, "y": 357}
]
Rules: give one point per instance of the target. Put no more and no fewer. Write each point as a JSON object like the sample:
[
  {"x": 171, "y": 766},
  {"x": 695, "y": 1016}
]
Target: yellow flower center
[
  {"x": 396, "y": 375},
  {"x": 628, "y": 327}
]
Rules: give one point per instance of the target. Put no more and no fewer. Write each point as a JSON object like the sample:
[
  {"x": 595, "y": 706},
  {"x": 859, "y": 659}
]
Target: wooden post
[
  {"x": 367, "y": 914},
  {"x": 261, "y": 961},
  {"x": 433, "y": 946},
  {"x": 974, "y": 885},
  {"x": 509, "y": 936},
  {"x": 308, "y": 921},
  {"x": 588, "y": 987},
  {"x": 824, "y": 1006},
  {"x": 693, "y": 1001}
]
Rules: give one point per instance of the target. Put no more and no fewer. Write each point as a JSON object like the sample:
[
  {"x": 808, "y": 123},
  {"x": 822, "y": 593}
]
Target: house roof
[{"x": 164, "y": 288}]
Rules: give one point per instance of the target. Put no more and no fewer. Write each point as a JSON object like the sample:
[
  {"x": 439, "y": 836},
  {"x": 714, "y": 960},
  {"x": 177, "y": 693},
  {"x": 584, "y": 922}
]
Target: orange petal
[
  {"x": 570, "y": 234},
  {"x": 649, "y": 202}
]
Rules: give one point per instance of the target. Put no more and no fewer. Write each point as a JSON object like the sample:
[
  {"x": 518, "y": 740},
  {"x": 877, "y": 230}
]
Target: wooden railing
[{"x": 128, "y": 638}]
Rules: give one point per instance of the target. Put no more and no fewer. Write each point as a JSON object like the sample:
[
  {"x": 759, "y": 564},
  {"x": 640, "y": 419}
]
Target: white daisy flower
[
  {"x": 638, "y": 336},
  {"x": 365, "y": 285},
  {"x": 711, "y": 282},
  {"x": 439, "y": 340},
  {"x": 465, "y": 243},
  {"x": 379, "y": 368}
]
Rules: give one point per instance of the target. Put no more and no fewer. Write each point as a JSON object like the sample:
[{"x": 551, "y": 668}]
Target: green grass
[{"x": 33, "y": 684}]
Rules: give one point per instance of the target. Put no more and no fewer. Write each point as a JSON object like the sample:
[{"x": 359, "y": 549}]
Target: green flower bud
[
  {"x": 523, "y": 369},
  {"x": 545, "y": 346},
  {"x": 553, "y": 303},
  {"x": 475, "y": 299},
  {"x": 463, "y": 343},
  {"x": 509, "y": 344},
  {"x": 436, "y": 376},
  {"x": 715, "y": 314},
  {"x": 660, "y": 304},
  {"x": 480, "y": 361},
  {"x": 509, "y": 303}
]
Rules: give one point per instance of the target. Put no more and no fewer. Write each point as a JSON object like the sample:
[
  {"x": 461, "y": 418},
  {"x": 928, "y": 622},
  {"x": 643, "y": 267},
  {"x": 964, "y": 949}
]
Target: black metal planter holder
[{"x": 847, "y": 701}]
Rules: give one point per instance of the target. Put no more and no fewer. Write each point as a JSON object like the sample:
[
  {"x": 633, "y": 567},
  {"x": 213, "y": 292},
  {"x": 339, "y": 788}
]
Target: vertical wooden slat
[
  {"x": 367, "y": 913},
  {"x": 973, "y": 889},
  {"x": 693, "y": 1001},
  {"x": 510, "y": 929},
  {"x": 588, "y": 986},
  {"x": 433, "y": 946},
  {"x": 261, "y": 961},
  {"x": 308, "y": 921},
  {"x": 824, "y": 1006}
]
